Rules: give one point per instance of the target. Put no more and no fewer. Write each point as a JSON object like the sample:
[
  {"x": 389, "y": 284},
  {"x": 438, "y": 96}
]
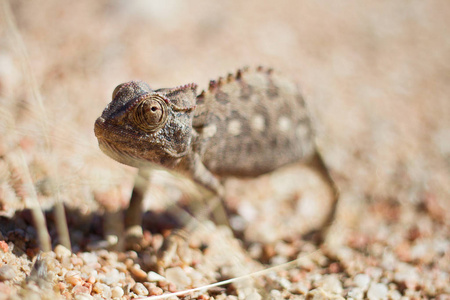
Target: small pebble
[
  {"x": 153, "y": 276},
  {"x": 156, "y": 291},
  {"x": 62, "y": 251},
  {"x": 374, "y": 273},
  {"x": 98, "y": 287},
  {"x": 320, "y": 294},
  {"x": 278, "y": 260},
  {"x": 299, "y": 288},
  {"x": 7, "y": 273},
  {"x": 127, "y": 287},
  {"x": 91, "y": 279},
  {"x": 4, "y": 246},
  {"x": 285, "y": 283},
  {"x": 171, "y": 287},
  {"x": 83, "y": 297},
  {"x": 113, "y": 276},
  {"x": 178, "y": 277},
  {"x": 89, "y": 258},
  {"x": 407, "y": 275},
  {"x": 394, "y": 295},
  {"x": 66, "y": 263},
  {"x": 253, "y": 296},
  {"x": 139, "y": 289},
  {"x": 106, "y": 292},
  {"x": 362, "y": 281},
  {"x": 275, "y": 295},
  {"x": 132, "y": 254},
  {"x": 305, "y": 262},
  {"x": 102, "y": 289},
  {"x": 76, "y": 261},
  {"x": 73, "y": 277},
  {"x": 330, "y": 283},
  {"x": 138, "y": 273},
  {"x": 255, "y": 250},
  {"x": 356, "y": 293},
  {"x": 377, "y": 291},
  {"x": 61, "y": 286},
  {"x": 389, "y": 260},
  {"x": 80, "y": 289},
  {"x": 238, "y": 223},
  {"x": 116, "y": 292},
  {"x": 128, "y": 262},
  {"x": 195, "y": 276}
]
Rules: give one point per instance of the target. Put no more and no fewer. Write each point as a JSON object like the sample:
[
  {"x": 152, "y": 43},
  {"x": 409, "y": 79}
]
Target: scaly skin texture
[{"x": 246, "y": 124}]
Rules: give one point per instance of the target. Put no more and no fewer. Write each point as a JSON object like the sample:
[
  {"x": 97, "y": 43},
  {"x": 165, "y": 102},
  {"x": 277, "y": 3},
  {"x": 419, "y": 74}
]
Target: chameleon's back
[{"x": 252, "y": 123}]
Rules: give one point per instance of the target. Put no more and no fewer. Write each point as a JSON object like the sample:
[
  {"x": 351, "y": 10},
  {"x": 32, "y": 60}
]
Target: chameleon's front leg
[
  {"x": 133, "y": 215},
  {"x": 202, "y": 176}
]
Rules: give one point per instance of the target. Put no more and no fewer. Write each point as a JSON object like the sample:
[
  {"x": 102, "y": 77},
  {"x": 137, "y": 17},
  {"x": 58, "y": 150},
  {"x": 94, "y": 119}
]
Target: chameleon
[{"x": 245, "y": 124}]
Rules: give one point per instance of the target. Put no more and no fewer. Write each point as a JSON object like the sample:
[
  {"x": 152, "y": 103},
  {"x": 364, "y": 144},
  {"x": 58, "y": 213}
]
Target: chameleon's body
[{"x": 247, "y": 124}]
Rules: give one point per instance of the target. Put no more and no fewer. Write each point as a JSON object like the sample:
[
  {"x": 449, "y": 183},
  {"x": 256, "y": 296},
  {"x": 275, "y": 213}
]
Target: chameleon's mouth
[
  {"x": 108, "y": 137},
  {"x": 110, "y": 132},
  {"x": 99, "y": 127},
  {"x": 123, "y": 157},
  {"x": 122, "y": 145}
]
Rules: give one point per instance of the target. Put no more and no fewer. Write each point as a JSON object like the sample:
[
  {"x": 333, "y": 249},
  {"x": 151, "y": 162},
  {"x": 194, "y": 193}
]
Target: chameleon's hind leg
[{"x": 318, "y": 163}]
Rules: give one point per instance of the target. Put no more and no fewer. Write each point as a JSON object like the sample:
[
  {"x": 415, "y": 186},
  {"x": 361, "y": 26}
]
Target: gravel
[
  {"x": 377, "y": 291},
  {"x": 7, "y": 272}
]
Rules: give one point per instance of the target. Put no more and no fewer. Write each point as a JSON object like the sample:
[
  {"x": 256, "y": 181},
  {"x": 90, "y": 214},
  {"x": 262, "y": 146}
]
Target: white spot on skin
[
  {"x": 302, "y": 132},
  {"x": 234, "y": 127},
  {"x": 284, "y": 124},
  {"x": 209, "y": 131},
  {"x": 258, "y": 123}
]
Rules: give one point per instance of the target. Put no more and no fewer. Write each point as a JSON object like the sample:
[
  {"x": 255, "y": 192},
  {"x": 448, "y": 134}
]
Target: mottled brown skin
[
  {"x": 247, "y": 124},
  {"x": 251, "y": 124}
]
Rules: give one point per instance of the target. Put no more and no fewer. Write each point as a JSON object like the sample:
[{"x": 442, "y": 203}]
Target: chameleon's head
[{"x": 142, "y": 126}]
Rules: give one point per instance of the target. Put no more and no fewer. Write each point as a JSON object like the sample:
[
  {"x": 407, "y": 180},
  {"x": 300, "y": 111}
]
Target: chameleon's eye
[
  {"x": 116, "y": 90},
  {"x": 151, "y": 114}
]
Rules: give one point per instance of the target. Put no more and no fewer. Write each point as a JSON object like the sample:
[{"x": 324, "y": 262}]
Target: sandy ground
[{"x": 376, "y": 79}]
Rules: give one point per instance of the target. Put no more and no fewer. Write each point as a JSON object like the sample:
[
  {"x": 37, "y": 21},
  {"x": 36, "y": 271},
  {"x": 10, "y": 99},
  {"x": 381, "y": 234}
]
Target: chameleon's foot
[
  {"x": 111, "y": 242},
  {"x": 134, "y": 237}
]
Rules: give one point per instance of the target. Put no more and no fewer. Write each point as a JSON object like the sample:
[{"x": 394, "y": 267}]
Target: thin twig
[
  {"x": 61, "y": 225},
  {"x": 228, "y": 281},
  {"x": 40, "y": 112},
  {"x": 32, "y": 202}
]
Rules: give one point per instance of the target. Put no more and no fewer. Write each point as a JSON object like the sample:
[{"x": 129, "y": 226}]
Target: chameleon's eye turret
[
  {"x": 116, "y": 90},
  {"x": 150, "y": 114}
]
